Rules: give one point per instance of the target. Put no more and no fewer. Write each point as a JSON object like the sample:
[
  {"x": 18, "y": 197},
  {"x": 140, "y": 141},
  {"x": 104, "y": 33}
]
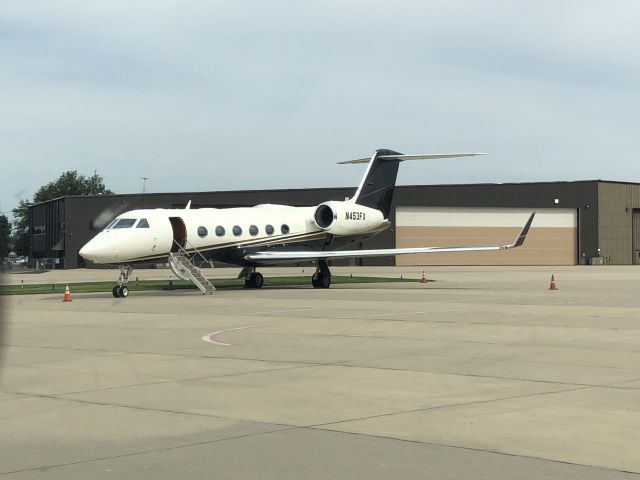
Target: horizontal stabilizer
[
  {"x": 402, "y": 158},
  {"x": 292, "y": 257}
]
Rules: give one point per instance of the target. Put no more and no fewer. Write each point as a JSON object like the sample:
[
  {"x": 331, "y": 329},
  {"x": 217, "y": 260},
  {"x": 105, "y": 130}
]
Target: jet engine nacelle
[{"x": 348, "y": 218}]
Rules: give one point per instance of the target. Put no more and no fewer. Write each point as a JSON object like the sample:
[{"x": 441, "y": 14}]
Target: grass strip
[{"x": 143, "y": 285}]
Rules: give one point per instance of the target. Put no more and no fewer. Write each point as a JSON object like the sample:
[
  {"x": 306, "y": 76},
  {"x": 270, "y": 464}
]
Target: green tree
[
  {"x": 5, "y": 236},
  {"x": 69, "y": 183},
  {"x": 20, "y": 234}
]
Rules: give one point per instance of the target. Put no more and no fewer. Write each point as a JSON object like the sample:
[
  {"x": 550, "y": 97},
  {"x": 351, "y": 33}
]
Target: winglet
[{"x": 523, "y": 234}]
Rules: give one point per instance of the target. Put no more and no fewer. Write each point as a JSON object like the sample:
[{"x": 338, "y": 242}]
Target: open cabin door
[{"x": 179, "y": 233}]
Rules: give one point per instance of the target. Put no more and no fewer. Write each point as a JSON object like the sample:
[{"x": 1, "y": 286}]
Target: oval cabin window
[
  {"x": 202, "y": 232},
  {"x": 253, "y": 230},
  {"x": 237, "y": 231},
  {"x": 220, "y": 231},
  {"x": 269, "y": 229},
  {"x": 284, "y": 228}
]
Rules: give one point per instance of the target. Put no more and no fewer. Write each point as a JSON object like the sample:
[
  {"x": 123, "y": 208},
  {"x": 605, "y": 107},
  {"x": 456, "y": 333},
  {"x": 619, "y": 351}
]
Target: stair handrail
[{"x": 184, "y": 251}]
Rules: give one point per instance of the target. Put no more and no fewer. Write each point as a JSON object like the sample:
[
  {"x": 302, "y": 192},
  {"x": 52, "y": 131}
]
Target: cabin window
[
  {"x": 143, "y": 223},
  {"x": 220, "y": 231},
  {"x": 202, "y": 232},
  {"x": 284, "y": 228},
  {"x": 237, "y": 231},
  {"x": 269, "y": 229},
  {"x": 125, "y": 223},
  {"x": 253, "y": 230}
]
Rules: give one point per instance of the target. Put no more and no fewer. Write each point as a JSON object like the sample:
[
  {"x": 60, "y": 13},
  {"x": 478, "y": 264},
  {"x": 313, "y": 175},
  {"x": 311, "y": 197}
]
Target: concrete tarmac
[{"x": 481, "y": 374}]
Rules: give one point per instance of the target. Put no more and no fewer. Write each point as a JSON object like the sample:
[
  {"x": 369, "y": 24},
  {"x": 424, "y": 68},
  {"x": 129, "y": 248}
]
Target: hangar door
[{"x": 552, "y": 239}]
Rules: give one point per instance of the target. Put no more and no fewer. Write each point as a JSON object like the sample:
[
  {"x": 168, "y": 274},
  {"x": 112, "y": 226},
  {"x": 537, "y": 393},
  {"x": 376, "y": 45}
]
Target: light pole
[{"x": 144, "y": 184}]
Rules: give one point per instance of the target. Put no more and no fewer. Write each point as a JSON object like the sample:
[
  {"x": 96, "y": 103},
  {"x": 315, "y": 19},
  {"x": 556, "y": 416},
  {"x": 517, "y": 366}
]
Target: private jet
[{"x": 251, "y": 237}]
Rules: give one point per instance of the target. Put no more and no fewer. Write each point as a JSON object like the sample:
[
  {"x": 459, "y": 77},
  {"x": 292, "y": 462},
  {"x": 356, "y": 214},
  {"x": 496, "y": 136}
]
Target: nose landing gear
[
  {"x": 322, "y": 277},
  {"x": 120, "y": 290}
]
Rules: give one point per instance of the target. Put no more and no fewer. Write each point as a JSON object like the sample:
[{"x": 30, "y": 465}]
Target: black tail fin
[{"x": 379, "y": 182}]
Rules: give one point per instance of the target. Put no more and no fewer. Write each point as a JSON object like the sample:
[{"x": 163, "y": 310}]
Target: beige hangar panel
[{"x": 552, "y": 239}]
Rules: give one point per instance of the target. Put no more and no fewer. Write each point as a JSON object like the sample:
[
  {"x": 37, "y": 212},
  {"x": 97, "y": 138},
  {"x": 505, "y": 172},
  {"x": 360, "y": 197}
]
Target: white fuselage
[{"x": 143, "y": 235}]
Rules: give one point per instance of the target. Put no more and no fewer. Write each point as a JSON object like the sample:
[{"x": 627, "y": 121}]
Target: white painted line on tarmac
[{"x": 212, "y": 337}]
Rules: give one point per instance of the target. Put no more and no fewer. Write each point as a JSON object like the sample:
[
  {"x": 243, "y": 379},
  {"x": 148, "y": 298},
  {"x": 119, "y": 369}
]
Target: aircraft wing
[{"x": 298, "y": 256}]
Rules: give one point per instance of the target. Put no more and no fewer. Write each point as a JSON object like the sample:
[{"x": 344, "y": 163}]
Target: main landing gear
[
  {"x": 322, "y": 277},
  {"x": 120, "y": 290},
  {"x": 253, "y": 279}
]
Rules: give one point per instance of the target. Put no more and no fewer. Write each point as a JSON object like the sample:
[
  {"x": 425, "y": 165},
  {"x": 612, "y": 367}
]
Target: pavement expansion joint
[{"x": 453, "y": 405}]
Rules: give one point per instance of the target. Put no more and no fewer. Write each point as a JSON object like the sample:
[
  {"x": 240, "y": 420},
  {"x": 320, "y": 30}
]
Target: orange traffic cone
[
  {"x": 423, "y": 279},
  {"x": 67, "y": 295},
  {"x": 553, "y": 283}
]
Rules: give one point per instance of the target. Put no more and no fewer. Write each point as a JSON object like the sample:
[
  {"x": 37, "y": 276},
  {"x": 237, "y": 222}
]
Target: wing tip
[{"x": 522, "y": 236}]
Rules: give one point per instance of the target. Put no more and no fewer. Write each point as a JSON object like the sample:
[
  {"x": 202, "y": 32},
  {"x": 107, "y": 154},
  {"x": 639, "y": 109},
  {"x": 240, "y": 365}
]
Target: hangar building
[{"x": 582, "y": 222}]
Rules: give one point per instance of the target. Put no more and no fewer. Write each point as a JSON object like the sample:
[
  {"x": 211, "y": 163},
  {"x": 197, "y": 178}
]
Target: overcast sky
[{"x": 205, "y": 95}]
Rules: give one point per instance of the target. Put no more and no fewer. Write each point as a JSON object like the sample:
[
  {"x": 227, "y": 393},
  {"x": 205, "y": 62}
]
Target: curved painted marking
[{"x": 212, "y": 337}]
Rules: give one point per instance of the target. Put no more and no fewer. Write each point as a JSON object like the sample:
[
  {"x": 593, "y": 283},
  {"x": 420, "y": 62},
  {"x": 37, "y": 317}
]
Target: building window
[
  {"x": 237, "y": 231},
  {"x": 269, "y": 229},
  {"x": 284, "y": 228},
  {"x": 143, "y": 223},
  {"x": 253, "y": 230},
  {"x": 202, "y": 232},
  {"x": 220, "y": 231}
]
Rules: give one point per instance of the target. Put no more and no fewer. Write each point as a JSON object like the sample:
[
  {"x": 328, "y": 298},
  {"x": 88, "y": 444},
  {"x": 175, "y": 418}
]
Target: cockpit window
[
  {"x": 125, "y": 223},
  {"x": 143, "y": 223},
  {"x": 111, "y": 224}
]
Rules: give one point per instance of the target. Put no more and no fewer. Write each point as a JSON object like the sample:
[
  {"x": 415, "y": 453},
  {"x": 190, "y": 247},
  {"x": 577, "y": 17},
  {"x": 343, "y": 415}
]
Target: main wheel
[
  {"x": 314, "y": 281},
  {"x": 116, "y": 291},
  {"x": 258, "y": 280},
  {"x": 123, "y": 292},
  {"x": 325, "y": 281}
]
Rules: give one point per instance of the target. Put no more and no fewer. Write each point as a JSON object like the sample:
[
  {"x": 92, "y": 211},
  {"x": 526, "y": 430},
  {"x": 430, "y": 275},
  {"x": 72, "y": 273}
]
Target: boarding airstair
[{"x": 182, "y": 264}]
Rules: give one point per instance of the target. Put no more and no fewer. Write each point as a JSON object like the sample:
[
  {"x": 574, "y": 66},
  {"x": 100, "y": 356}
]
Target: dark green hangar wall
[{"x": 608, "y": 213}]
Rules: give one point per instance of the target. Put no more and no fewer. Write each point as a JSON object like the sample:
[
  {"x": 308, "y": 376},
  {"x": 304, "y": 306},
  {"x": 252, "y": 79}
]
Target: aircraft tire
[
  {"x": 123, "y": 292},
  {"x": 314, "y": 281},
  {"x": 325, "y": 281},
  {"x": 254, "y": 280},
  {"x": 115, "y": 291}
]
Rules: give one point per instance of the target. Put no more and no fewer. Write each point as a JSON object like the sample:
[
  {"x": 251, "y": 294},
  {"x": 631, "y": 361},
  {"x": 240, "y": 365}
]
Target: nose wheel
[{"x": 120, "y": 290}]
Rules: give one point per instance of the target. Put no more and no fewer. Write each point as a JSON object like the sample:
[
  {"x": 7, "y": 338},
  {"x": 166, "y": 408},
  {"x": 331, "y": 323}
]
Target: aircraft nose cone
[
  {"x": 88, "y": 251},
  {"x": 97, "y": 250}
]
